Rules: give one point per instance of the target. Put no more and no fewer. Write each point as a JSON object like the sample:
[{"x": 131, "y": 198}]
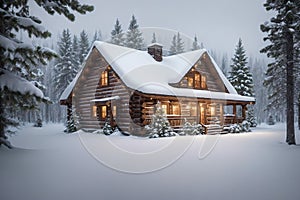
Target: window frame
[{"x": 104, "y": 78}]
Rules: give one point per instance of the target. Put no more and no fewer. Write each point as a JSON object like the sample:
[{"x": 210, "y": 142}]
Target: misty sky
[{"x": 217, "y": 23}]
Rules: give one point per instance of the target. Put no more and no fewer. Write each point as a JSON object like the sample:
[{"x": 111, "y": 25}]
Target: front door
[{"x": 202, "y": 109}]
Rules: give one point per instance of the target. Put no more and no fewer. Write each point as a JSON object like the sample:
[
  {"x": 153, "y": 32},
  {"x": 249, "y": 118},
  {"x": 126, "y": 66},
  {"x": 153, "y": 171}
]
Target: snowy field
[{"x": 50, "y": 165}]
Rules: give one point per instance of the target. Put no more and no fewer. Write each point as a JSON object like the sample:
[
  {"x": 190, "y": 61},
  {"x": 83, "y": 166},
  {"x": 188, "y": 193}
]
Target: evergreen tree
[
  {"x": 284, "y": 35},
  {"x": 134, "y": 38},
  {"x": 97, "y": 37},
  {"x": 153, "y": 38},
  {"x": 173, "y": 47},
  {"x": 195, "y": 44},
  {"x": 19, "y": 59},
  {"x": 75, "y": 53},
  {"x": 117, "y": 35},
  {"x": 179, "y": 44},
  {"x": 160, "y": 126},
  {"x": 65, "y": 71},
  {"x": 224, "y": 64},
  {"x": 240, "y": 76},
  {"x": 83, "y": 46}
]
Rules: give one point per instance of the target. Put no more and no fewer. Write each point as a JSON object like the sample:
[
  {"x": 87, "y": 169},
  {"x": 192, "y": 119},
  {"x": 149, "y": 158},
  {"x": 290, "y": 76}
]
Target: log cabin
[{"x": 121, "y": 86}]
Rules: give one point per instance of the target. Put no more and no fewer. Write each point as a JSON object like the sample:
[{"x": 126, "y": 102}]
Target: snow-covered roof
[
  {"x": 17, "y": 84},
  {"x": 106, "y": 99},
  {"x": 139, "y": 71}
]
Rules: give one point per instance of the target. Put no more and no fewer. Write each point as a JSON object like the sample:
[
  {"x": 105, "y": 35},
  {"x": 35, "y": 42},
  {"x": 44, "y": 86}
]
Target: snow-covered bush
[
  {"x": 235, "y": 128},
  {"x": 38, "y": 123},
  {"x": 159, "y": 126},
  {"x": 250, "y": 116},
  {"x": 107, "y": 129},
  {"x": 271, "y": 120},
  {"x": 245, "y": 126},
  {"x": 191, "y": 129},
  {"x": 73, "y": 122}
]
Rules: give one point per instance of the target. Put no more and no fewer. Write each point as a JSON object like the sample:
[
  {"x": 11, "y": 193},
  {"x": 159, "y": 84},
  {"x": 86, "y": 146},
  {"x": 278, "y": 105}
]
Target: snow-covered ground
[{"x": 51, "y": 165}]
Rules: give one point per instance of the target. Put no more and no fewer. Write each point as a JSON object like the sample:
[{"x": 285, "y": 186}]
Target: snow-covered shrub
[
  {"x": 250, "y": 116},
  {"x": 271, "y": 120},
  {"x": 159, "y": 126},
  {"x": 191, "y": 129},
  {"x": 235, "y": 128},
  {"x": 72, "y": 123},
  {"x": 38, "y": 123},
  {"x": 245, "y": 126},
  {"x": 107, "y": 129}
]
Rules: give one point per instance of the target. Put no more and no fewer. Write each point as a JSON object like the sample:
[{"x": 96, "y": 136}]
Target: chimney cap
[{"x": 155, "y": 44}]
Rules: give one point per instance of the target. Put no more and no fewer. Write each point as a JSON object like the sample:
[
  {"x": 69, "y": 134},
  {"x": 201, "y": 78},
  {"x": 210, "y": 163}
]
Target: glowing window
[
  {"x": 175, "y": 109},
  {"x": 104, "y": 78},
  {"x": 197, "y": 80},
  {"x": 94, "y": 111},
  {"x": 164, "y": 108},
  {"x": 114, "y": 111},
  {"x": 203, "y": 82},
  {"x": 190, "y": 82},
  {"x": 193, "y": 109},
  {"x": 103, "y": 112},
  {"x": 212, "y": 110}
]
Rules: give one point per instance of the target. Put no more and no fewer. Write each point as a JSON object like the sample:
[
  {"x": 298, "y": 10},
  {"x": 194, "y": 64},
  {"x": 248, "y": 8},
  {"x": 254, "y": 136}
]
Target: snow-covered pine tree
[
  {"x": 75, "y": 53},
  {"x": 179, "y": 44},
  {"x": 65, "y": 71},
  {"x": 283, "y": 34},
  {"x": 19, "y": 58},
  {"x": 240, "y": 76},
  {"x": 97, "y": 36},
  {"x": 134, "y": 38},
  {"x": 224, "y": 64},
  {"x": 195, "y": 45},
  {"x": 84, "y": 45},
  {"x": 160, "y": 126},
  {"x": 173, "y": 46},
  {"x": 117, "y": 35},
  {"x": 153, "y": 38}
]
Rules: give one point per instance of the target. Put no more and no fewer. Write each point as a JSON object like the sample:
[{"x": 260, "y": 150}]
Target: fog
[{"x": 218, "y": 24}]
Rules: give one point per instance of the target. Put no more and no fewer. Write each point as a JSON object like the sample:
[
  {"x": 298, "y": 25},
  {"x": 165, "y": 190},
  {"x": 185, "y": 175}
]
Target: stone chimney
[{"x": 155, "y": 50}]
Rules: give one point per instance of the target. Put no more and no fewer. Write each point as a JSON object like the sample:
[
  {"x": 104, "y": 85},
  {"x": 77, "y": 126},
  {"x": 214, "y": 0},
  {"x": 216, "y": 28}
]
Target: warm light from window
[
  {"x": 104, "y": 78},
  {"x": 114, "y": 111},
  {"x": 164, "y": 108},
  {"x": 190, "y": 82},
  {"x": 103, "y": 112},
  {"x": 175, "y": 109},
  {"x": 212, "y": 110},
  {"x": 94, "y": 111},
  {"x": 203, "y": 82},
  {"x": 193, "y": 109},
  {"x": 197, "y": 80}
]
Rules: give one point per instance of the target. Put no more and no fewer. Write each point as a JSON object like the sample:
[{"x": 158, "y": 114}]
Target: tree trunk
[
  {"x": 290, "y": 135},
  {"x": 299, "y": 111}
]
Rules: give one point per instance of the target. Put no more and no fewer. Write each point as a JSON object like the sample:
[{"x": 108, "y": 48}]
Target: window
[
  {"x": 193, "y": 109},
  {"x": 175, "y": 109},
  {"x": 197, "y": 80},
  {"x": 103, "y": 112},
  {"x": 104, "y": 78},
  {"x": 203, "y": 82},
  {"x": 164, "y": 108},
  {"x": 212, "y": 110},
  {"x": 114, "y": 111},
  {"x": 190, "y": 82},
  {"x": 94, "y": 111}
]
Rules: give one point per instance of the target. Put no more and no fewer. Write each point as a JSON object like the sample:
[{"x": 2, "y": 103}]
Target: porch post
[
  {"x": 244, "y": 108},
  {"x": 234, "y": 112}
]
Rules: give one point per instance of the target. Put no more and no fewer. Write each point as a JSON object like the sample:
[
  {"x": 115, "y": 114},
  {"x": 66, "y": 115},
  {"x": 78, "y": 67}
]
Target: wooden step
[{"x": 214, "y": 129}]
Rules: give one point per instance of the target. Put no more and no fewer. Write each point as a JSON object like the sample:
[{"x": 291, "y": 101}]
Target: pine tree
[
  {"x": 240, "y": 76},
  {"x": 75, "y": 53},
  {"x": 19, "y": 59},
  {"x": 173, "y": 46},
  {"x": 117, "y": 35},
  {"x": 65, "y": 71},
  {"x": 83, "y": 46},
  {"x": 224, "y": 64},
  {"x": 283, "y": 35},
  {"x": 134, "y": 38},
  {"x": 153, "y": 38},
  {"x": 195, "y": 44},
  {"x": 97, "y": 37},
  {"x": 179, "y": 44},
  {"x": 160, "y": 126}
]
